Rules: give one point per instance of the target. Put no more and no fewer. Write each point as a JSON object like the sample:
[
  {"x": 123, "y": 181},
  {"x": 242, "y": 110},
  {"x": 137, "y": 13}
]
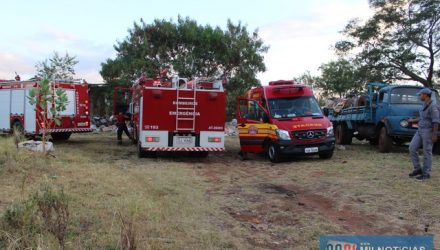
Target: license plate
[
  {"x": 185, "y": 140},
  {"x": 311, "y": 150},
  {"x": 415, "y": 125}
]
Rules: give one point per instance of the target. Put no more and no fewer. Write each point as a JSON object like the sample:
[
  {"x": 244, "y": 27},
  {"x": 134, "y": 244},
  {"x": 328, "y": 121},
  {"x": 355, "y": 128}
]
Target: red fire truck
[
  {"x": 178, "y": 115},
  {"x": 283, "y": 118},
  {"x": 17, "y": 112}
]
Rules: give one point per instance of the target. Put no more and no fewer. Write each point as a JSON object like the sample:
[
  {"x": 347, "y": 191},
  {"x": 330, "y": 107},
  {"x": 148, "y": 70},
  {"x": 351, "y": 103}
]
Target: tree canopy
[
  {"x": 338, "y": 77},
  {"x": 57, "y": 67},
  {"x": 191, "y": 50},
  {"x": 401, "y": 41}
]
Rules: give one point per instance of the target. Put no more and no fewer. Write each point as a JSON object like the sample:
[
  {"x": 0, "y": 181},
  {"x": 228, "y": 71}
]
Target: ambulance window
[{"x": 250, "y": 110}]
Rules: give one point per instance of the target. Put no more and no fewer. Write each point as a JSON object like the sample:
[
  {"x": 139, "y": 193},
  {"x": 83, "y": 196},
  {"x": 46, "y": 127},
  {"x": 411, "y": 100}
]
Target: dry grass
[
  {"x": 166, "y": 201},
  {"x": 221, "y": 202}
]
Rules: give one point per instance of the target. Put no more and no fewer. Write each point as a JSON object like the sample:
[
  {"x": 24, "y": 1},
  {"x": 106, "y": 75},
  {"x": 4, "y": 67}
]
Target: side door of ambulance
[{"x": 253, "y": 125}]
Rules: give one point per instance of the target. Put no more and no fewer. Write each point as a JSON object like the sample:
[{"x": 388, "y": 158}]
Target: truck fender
[
  {"x": 385, "y": 122},
  {"x": 266, "y": 143}
]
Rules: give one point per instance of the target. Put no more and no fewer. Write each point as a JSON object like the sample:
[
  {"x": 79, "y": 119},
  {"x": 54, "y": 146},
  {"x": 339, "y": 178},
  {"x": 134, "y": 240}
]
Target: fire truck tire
[
  {"x": 203, "y": 154},
  {"x": 385, "y": 141},
  {"x": 61, "y": 136},
  {"x": 17, "y": 128},
  {"x": 274, "y": 153},
  {"x": 146, "y": 154}
]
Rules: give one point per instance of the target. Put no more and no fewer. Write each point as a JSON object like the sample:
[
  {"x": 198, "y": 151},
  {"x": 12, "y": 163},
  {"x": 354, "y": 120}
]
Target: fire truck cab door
[{"x": 253, "y": 125}]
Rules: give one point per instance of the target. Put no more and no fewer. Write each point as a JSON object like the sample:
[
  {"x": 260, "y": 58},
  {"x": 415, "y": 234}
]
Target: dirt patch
[
  {"x": 349, "y": 218},
  {"x": 285, "y": 205}
]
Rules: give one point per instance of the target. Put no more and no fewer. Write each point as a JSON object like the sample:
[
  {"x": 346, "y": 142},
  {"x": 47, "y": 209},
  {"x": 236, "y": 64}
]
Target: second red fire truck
[
  {"x": 178, "y": 115},
  {"x": 17, "y": 113}
]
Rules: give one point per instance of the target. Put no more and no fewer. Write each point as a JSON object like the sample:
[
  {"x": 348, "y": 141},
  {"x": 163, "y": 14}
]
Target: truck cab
[{"x": 283, "y": 119}]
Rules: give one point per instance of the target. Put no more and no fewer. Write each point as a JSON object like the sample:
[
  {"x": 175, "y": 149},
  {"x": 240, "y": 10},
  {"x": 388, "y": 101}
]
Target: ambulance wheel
[
  {"x": 60, "y": 136},
  {"x": 243, "y": 156},
  {"x": 385, "y": 141},
  {"x": 274, "y": 153}
]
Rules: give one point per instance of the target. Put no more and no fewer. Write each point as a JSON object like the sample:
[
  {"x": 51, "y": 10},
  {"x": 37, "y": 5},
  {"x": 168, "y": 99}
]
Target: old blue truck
[{"x": 380, "y": 116}]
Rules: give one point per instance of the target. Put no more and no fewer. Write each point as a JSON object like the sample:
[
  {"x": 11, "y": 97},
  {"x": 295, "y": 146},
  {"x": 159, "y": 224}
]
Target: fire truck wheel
[
  {"x": 17, "y": 128},
  {"x": 203, "y": 154},
  {"x": 274, "y": 153},
  {"x": 60, "y": 136},
  {"x": 146, "y": 154},
  {"x": 385, "y": 141}
]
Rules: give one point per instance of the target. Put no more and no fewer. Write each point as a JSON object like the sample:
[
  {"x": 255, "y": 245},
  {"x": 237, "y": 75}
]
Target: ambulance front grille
[{"x": 309, "y": 134}]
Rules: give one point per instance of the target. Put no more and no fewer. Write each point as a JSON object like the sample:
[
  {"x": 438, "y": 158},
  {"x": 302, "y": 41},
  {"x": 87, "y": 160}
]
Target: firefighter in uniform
[
  {"x": 122, "y": 126},
  {"x": 425, "y": 136}
]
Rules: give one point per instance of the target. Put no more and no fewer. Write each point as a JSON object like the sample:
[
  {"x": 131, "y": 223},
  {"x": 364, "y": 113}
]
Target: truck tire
[
  {"x": 385, "y": 141},
  {"x": 374, "y": 141},
  {"x": 203, "y": 154},
  {"x": 146, "y": 154},
  {"x": 343, "y": 135},
  {"x": 60, "y": 136},
  {"x": 326, "y": 155},
  {"x": 274, "y": 153},
  {"x": 436, "y": 148},
  {"x": 17, "y": 128}
]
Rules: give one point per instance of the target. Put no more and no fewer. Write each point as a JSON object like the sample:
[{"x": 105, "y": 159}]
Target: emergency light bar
[
  {"x": 281, "y": 82},
  {"x": 288, "y": 89}
]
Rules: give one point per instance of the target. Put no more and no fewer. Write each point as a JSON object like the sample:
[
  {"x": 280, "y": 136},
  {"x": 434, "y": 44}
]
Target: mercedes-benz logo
[{"x": 310, "y": 134}]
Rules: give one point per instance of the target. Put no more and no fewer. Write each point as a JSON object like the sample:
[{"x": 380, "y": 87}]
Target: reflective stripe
[
  {"x": 189, "y": 149},
  {"x": 74, "y": 130}
]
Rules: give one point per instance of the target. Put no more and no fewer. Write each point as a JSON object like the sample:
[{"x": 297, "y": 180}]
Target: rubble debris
[{"x": 36, "y": 146}]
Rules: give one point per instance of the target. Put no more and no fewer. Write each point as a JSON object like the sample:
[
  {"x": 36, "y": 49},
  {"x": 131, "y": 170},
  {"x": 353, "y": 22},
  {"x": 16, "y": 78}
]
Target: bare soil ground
[{"x": 181, "y": 202}]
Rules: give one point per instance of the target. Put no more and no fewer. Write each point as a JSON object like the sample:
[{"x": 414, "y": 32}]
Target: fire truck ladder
[{"x": 183, "y": 120}]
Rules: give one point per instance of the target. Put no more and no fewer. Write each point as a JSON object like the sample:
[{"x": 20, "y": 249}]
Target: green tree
[
  {"x": 57, "y": 67},
  {"x": 49, "y": 102},
  {"x": 401, "y": 41},
  {"x": 338, "y": 77},
  {"x": 306, "y": 78},
  {"x": 190, "y": 49}
]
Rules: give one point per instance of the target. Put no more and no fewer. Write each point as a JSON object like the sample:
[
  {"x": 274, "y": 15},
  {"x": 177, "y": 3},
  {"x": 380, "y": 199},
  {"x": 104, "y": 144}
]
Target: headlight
[
  {"x": 404, "y": 123},
  {"x": 330, "y": 131},
  {"x": 283, "y": 134}
]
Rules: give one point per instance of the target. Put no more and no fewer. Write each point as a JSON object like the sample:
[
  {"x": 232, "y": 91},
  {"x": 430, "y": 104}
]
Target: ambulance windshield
[{"x": 294, "y": 107}]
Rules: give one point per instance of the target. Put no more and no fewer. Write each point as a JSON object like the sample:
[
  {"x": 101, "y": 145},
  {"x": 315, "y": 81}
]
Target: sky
[{"x": 300, "y": 33}]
